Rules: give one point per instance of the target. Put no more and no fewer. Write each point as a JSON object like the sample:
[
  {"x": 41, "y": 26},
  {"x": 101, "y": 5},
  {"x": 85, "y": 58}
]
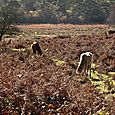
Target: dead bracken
[{"x": 48, "y": 84}]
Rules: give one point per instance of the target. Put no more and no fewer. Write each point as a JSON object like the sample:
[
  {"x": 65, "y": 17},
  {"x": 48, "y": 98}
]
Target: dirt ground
[{"x": 48, "y": 84}]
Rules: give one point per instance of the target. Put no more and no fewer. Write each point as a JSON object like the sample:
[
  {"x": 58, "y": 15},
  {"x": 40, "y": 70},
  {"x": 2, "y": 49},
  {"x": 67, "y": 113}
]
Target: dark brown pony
[{"x": 36, "y": 48}]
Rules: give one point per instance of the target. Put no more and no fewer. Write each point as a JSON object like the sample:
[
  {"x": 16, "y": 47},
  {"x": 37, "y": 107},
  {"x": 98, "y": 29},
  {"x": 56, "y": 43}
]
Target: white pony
[{"x": 85, "y": 64}]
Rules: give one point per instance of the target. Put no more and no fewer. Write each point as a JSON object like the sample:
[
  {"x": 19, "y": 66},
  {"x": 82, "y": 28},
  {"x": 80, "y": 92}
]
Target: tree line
[{"x": 60, "y": 11}]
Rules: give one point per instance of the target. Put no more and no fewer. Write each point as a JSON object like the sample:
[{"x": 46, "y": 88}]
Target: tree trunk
[{"x": 1, "y": 37}]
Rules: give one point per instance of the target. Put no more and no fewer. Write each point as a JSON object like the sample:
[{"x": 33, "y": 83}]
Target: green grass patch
[
  {"x": 104, "y": 83},
  {"x": 58, "y": 62}
]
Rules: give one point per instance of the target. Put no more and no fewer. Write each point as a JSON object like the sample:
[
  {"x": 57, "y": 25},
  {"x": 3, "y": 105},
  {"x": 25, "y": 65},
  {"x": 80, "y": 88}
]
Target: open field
[{"x": 48, "y": 84}]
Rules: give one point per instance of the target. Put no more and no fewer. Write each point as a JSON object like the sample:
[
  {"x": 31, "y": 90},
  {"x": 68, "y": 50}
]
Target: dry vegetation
[{"x": 48, "y": 84}]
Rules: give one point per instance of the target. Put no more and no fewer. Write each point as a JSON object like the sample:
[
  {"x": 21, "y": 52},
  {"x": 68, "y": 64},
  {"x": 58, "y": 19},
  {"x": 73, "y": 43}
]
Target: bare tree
[
  {"x": 8, "y": 16},
  {"x": 111, "y": 18},
  {"x": 85, "y": 64}
]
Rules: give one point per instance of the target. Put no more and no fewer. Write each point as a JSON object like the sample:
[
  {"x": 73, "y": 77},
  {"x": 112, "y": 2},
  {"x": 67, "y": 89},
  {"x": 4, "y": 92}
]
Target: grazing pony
[
  {"x": 85, "y": 64},
  {"x": 36, "y": 48}
]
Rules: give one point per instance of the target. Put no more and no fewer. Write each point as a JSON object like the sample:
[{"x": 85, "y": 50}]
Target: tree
[
  {"x": 111, "y": 18},
  {"x": 8, "y": 16},
  {"x": 60, "y": 11},
  {"x": 90, "y": 11}
]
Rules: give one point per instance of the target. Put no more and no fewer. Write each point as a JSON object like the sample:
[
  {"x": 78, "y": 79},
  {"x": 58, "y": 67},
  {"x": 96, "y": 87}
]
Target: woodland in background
[{"x": 63, "y": 11}]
